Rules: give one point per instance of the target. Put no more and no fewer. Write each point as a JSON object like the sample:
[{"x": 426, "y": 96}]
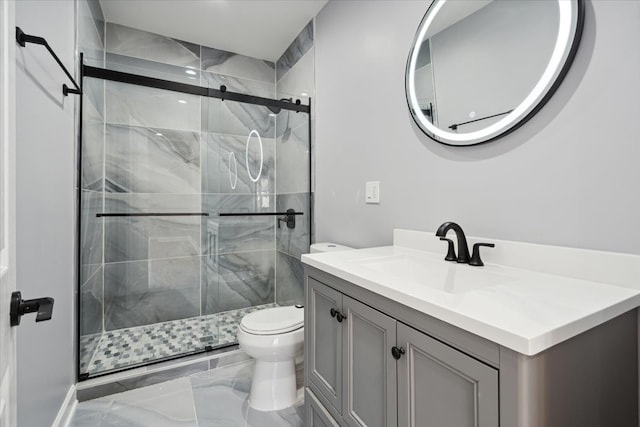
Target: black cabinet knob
[
  {"x": 339, "y": 316},
  {"x": 397, "y": 352}
]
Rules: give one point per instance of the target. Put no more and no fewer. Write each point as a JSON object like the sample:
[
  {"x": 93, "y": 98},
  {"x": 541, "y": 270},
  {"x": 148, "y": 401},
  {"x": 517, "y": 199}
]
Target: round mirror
[{"x": 478, "y": 69}]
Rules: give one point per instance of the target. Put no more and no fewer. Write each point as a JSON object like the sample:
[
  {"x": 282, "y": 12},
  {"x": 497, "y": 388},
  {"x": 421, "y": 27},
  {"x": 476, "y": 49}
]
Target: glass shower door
[
  {"x": 238, "y": 142},
  {"x": 182, "y": 226},
  {"x": 142, "y": 226}
]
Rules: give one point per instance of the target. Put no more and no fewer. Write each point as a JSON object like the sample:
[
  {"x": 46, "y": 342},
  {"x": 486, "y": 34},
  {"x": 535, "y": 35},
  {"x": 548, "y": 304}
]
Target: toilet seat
[{"x": 273, "y": 321}]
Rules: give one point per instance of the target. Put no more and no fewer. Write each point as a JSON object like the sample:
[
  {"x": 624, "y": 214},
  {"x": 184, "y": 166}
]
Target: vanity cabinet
[
  {"x": 540, "y": 337},
  {"x": 440, "y": 386},
  {"x": 315, "y": 414},
  {"x": 353, "y": 372}
]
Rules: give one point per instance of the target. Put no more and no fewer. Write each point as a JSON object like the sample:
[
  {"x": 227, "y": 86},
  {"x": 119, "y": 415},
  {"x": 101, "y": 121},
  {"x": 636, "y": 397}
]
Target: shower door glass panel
[
  {"x": 238, "y": 164},
  {"x": 141, "y": 297},
  {"x": 293, "y": 182}
]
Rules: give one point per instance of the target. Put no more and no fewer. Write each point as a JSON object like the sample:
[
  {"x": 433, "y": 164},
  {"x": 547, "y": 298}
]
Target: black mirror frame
[{"x": 575, "y": 43}]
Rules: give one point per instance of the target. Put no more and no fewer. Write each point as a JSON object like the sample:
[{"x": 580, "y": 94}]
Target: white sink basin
[{"x": 436, "y": 273}]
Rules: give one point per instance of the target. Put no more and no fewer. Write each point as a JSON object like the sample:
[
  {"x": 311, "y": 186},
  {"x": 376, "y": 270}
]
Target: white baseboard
[{"x": 67, "y": 409}]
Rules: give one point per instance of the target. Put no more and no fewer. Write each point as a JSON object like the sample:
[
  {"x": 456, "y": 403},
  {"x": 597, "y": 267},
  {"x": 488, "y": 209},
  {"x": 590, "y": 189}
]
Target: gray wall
[
  {"x": 567, "y": 177},
  {"x": 45, "y": 210}
]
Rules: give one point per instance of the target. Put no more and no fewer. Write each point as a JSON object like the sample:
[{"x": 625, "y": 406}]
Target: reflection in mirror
[{"x": 480, "y": 68}]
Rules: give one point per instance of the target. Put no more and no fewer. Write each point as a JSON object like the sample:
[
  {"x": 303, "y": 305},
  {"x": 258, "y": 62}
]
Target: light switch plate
[{"x": 372, "y": 192}]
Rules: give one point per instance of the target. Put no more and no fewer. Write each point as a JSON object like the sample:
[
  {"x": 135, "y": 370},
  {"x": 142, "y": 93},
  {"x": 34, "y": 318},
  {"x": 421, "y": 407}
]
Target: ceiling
[{"x": 258, "y": 28}]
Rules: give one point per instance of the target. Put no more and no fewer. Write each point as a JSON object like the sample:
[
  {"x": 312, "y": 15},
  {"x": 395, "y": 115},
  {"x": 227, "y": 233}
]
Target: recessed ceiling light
[
  {"x": 191, "y": 72},
  {"x": 182, "y": 101}
]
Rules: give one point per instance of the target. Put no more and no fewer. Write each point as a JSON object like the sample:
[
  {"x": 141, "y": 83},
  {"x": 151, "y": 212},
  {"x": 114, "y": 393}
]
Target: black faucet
[{"x": 463, "y": 250}]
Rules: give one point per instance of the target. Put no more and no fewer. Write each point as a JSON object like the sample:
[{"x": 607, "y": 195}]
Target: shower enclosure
[{"x": 195, "y": 203}]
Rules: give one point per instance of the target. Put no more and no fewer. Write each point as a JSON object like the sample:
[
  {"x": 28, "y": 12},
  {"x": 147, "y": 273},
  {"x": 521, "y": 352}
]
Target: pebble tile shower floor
[
  {"x": 135, "y": 346},
  {"x": 214, "y": 398}
]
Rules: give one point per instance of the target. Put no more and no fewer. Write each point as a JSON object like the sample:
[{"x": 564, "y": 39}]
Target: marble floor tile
[
  {"x": 166, "y": 404},
  {"x": 218, "y": 397},
  {"x": 221, "y": 399}
]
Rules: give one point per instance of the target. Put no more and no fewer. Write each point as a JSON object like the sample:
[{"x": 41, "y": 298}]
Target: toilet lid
[{"x": 271, "y": 321}]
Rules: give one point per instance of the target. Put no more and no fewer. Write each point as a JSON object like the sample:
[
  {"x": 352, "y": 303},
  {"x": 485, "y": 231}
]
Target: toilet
[{"x": 274, "y": 337}]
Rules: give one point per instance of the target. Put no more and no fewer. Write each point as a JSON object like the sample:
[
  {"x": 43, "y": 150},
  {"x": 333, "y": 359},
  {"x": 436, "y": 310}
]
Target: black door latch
[{"x": 20, "y": 307}]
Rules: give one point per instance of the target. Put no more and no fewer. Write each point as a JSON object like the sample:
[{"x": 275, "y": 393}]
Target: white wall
[
  {"x": 568, "y": 177},
  {"x": 45, "y": 209}
]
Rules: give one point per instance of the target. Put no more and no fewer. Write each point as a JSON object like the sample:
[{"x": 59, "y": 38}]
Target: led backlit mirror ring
[
  {"x": 251, "y": 177},
  {"x": 571, "y": 19}
]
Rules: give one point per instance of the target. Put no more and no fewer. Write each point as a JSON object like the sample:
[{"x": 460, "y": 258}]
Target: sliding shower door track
[{"x": 222, "y": 93}]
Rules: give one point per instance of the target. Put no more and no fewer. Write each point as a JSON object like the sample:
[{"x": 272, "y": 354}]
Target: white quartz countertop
[{"x": 521, "y": 309}]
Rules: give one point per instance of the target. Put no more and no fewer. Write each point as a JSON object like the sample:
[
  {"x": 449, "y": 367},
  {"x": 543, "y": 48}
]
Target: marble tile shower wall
[
  {"x": 294, "y": 75},
  {"x": 164, "y": 151}
]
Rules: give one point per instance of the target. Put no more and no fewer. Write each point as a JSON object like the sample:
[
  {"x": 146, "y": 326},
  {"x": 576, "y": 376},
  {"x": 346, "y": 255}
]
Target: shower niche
[{"x": 189, "y": 157}]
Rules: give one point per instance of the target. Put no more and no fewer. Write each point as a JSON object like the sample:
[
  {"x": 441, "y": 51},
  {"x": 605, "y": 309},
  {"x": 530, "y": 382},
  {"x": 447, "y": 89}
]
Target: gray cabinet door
[
  {"x": 440, "y": 386},
  {"x": 315, "y": 414},
  {"x": 369, "y": 369},
  {"x": 324, "y": 341}
]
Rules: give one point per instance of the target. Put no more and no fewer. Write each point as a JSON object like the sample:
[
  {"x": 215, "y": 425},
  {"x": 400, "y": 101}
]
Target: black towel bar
[
  {"x": 23, "y": 39},
  {"x": 99, "y": 215}
]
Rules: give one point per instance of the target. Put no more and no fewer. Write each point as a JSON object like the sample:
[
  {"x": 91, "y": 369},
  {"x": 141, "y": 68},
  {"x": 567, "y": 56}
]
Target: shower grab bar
[
  {"x": 222, "y": 93},
  {"x": 23, "y": 39},
  {"x": 99, "y": 215},
  {"x": 455, "y": 125}
]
